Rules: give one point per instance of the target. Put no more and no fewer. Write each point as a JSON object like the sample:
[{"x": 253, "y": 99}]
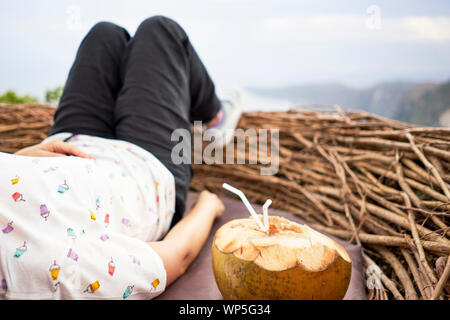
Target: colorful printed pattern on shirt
[{"x": 78, "y": 226}]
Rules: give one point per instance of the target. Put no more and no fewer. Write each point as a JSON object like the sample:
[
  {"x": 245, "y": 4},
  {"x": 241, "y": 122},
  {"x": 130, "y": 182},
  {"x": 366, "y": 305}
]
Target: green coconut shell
[{"x": 243, "y": 279}]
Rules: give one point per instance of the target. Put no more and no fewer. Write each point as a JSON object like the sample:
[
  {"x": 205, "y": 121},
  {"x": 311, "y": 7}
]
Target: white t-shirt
[{"x": 75, "y": 228}]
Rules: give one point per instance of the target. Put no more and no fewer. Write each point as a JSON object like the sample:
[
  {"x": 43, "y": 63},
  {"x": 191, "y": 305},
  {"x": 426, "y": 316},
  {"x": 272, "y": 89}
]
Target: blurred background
[{"x": 391, "y": 58}]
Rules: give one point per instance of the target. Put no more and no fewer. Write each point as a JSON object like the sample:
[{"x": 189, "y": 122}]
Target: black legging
[{"x": 139, "y": 90}]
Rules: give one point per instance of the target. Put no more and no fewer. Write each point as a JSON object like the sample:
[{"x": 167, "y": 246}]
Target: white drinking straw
[
  {"x": 247, "y": 204},
  {"x": 266, "y": 213}
]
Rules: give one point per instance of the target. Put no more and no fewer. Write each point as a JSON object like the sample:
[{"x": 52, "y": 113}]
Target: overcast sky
[{"x": 242, "y": 42}]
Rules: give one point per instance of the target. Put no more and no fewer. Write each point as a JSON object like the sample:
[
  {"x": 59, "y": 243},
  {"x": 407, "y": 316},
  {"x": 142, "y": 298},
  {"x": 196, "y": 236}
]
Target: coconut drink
[{"x": 264, "y": 257}]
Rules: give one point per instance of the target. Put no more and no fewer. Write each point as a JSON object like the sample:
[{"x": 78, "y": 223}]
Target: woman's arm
[{"x": 183, "y": 243}]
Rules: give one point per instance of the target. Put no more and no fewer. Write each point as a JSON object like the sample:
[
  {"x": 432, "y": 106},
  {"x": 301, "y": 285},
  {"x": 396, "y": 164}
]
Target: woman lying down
[{"x": 96, "y": 211}]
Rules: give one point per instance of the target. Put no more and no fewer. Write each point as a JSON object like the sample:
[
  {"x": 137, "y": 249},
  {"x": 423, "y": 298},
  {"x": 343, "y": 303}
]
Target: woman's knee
[
  {"x": 108, "y": 30},
  {"x": 162, "y": 22}
]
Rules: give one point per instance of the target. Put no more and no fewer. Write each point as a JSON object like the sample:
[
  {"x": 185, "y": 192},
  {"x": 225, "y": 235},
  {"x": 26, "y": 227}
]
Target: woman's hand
[
  {"x": 210, "y": 202},
  {"x": 53, "y": 148}
]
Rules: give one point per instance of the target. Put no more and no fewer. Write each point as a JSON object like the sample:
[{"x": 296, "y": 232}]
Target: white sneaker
[{"x": 231, "y": 113}]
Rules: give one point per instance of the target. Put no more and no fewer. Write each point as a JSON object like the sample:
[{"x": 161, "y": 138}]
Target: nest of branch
[
  {"x": 23, "y": 125},
  {"x": 382, "y": 184}
]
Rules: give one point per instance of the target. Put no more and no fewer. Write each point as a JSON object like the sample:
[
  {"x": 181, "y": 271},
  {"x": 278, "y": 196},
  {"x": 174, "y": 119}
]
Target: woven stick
[
  {"x": 442, "y": 281},
  {"x": 417, "y": 241}
]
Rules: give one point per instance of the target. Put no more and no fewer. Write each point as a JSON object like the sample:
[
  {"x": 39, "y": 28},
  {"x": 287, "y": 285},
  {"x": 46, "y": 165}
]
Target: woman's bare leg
[{"x": 185, "y": 240}]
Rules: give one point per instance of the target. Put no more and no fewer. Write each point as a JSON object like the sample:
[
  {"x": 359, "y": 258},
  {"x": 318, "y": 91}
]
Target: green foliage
[
  {"x": 53, "y": 96},
  {"x": 10, "y": 96}
]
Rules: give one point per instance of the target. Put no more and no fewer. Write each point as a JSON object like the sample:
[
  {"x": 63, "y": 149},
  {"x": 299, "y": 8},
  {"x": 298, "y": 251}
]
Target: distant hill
[
  {"x": 428, "y": 105},
  {"x": 419, "y": 103}
]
